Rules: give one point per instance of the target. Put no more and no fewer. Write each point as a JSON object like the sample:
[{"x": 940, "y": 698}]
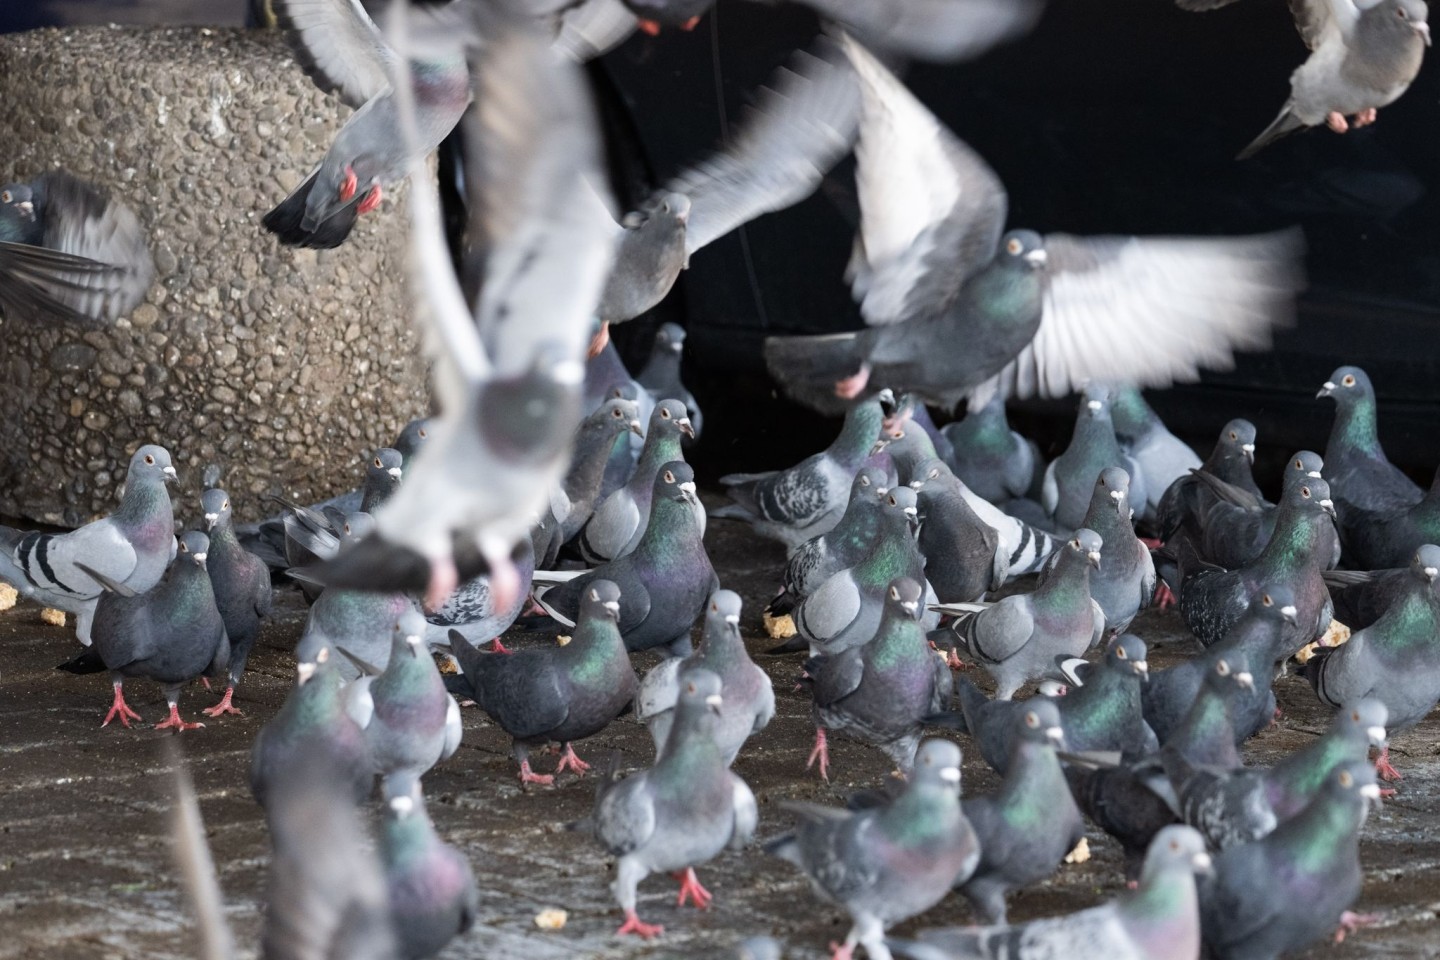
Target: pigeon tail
[
  {"x": 808, "y": 368},
  {"x": 285, "y": 221},
  {"x": 1283, "y": 125}
]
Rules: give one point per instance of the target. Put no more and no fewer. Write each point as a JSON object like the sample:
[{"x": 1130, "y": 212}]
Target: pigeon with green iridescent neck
[
  {"x": 1030, "y": 823},
  {"x": 661, "y": 374},
  {"x": 1292, "y": 784},
  {"x": 1393, "y": 659},
  {"x": 1183, "y": 503},
  {"x": 1161, "y": 456},
  {"x": 993, "y": 460},
  {"x": 359, "y": 621},
  {"x": 680, "y": 813},
  {"x": 556, "y": 694},
  {"x": 1070, "y": 479},
  {"x": 312, "y": 721},
  {"x": 241, "y": 582},
  {"x": 1104, "y": 712},
  {"x": 1359, "y": 473},
  {"x": 1295, "y": 886},
  {"x": 1212, "y": 599},
  {"x": 430, "y": 886},
  {"x": 1018, "y": 638},
  {"x": 886, "y": 864},
  {"x": 815, "y": 561},
  {"x": 1236, "y": 525},
  {"x": 1021, "y": 547},
  {"x": 599, "y": 436},
  {"x": 963, "y": 555},
  {"x": 1377, "y": 540},
  {"x": 665, "y": 582},
  {"x": 1362, "y": 596},
  {"x": 808, "y": 499},
  {"x": 1158, "y": 920},
  {"x": 1124, "y": 584},
  {"x": 1259, "y": 637},
  {"x": 749, "y": 696}
]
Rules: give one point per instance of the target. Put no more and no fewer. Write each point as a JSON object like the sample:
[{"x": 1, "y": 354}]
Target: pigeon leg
[
  {"x": 849, "y": 388},
  {"x": 504, "y": 577},
  {"x": 568, "y": 761},
  {"x": 1163, "y": 597},
  {"x": 348, "y": 185},
  {"x": 628, "y": 874},
  {"x": 633, "y": 924},
  {"x": 690, "y": 24},
  {"x": 1336, "y": 121},
  {"x": 497, "y": 647},
  {"x": 444, "y": 578},
  {"x": 173, "y": 722},
  {"x": 690, "y": 887},
  {"x": 842, "y": 951},
  {"x": 602, "y": 336},
  {"x": 650, "y": 28},
  {"x": 205, "y": 682},
  {"x": 1350, "y": 922},
  {"x": 371, "y": 201},
  {"x": 1365, "y": 117},
  {"x": 119, "y": 708},
  {"x": 821, "y": 753},
  {"x": 530, "y": 776},
  {"x": 224, "y": 706},
  {"x": 1384, "y": 770}
]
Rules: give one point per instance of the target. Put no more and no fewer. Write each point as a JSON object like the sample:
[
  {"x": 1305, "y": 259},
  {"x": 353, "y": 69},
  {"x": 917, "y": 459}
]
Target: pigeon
[
  {"x": 1294, "y": 782},
  {"x": 1030, "y": 823},
  {"x": 661, "y": 374},
  {"x": 601, "y": 433},
  {"x": 1161, "y": 456},
  {"x": 344, "y": 52},
  {"x": 1393, "y": 659},
  {"x": 1026, "y": 304},
  {"x": 664, "y": 582},
  {"x": 359, "y": 621},
  {"x": 410, "y": 440},
  {"x": 508, "y": 392},
  {"x": 557, "y": 694},
  {"x": 172, "y": 633},
  {"x": 411, "y": 723},
  {"x": 1382, "y": 539},
  {"x": 69, "y": 253},
  {"x": 1356, "y": 468},
  {"x": 1104, "y": 713},
  {"x": 914, "y": 412},
  {"x": 619, "y": 521},
  {"x": 990, "y": 723},
  {"x": 908, "y": 445},
  {"x": 1159, "y": 920},
  {"x": 1184, "y": 501},
  {"x": 1022, "y": 547},
  {"x": 963, "y": 555},
  {"x": 807, "y": 500},
  {"x": 382, "y": 478},
  {"x": 431, "y": 887},
  {"x": 749, "y": 697},
  {"x": 241, "y": 583},
  {"x": 1124, "y": 583},
  {"x": 993, "y": 460},
  {"x": 471, "y": 610},
  {"x": 1018, "y": 638},
  {"x": 880, "y": 691},
  {"x": 1212, "y": 600},
  {"x": 1259, "y": 637},
  {"x": 1236, "y": 525},
  {"x": 1289, "y": 889},
  {"x": 1132, "y": 802},
  {"x": 678, "y": 814},
  {"x": 312, "y": 721},
  {"x": 132, "y": 547},
  {"x": 312, "y": 538},
  {"x": 1069, "y": 484},
  {"x": 887, "y": 864},
  {"x": 818, "y": 559},
  {"x": 1363, "y": 55},
  {"x": 801, "y": 124},
  {"x": 1362, "y": 596}
]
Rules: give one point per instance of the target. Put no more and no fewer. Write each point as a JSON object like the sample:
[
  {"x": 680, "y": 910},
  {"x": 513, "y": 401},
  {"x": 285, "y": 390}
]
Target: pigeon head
[
  {"x": 724, "y": 611},
  {"x": 1403, "y": 16},
  {"x": 151, "y": 462},
  {"x": 1095, "y": 401},
  {"x": 1237, "y": 438},
  {"x": 618, "y": 415},
  {"x": 1347, "y": 385},
  {"x": 1366, "y": 718},
  {"x": 387, "y": 466},
  {"x": 601, "y": 601},
  {"x": 676, "y": 481},
  {"x": 19, "y": 198},
  {"x": 1176, "y": 847},
  {"x": 699, "y": 692},
  {"x": 1352, "y": 781},
  {"x": 1425, "y": 565},
  {"x": 669, "y": 213},
  {"x": 869, "y": 482},
  {"x": 216, "y": 505},
  {"x": 1039, "y": 722},
  {"x": 1275, "y": 600},
  {"x": 530, "y": 418},
  {"x": 305, "y": 669},
  {"x": 624, "y": 390},
  {"x": 409, "y": 635},
  {"x": 937, "y": 763},
  {"x": 1127, "y": 654},
  {"x": 412, "y": 438},
  {"x": 898, "y": 408},
  {"x": 1023, "y": 248},
  {"x": 671, "y": 336},
  {"x": 902, "y": 505},
  {"x": 357, "y": 527},
  {"x": 1230, "y": 669},
  {"x": 1314, "y": 493},
  {"x": 19, "y": 216},
  {"x": 1085, "y": 547},
  {"x": 904, "y": 598},
  {"x": 1128, "y": 409},
  {"x": 1303, "y": 467},
  {"x": 670, "y": 415},
  {"x": 928, "y": 471},
  {"x": 1112, "y": 487},
  {"x": 194, "y": 546}
]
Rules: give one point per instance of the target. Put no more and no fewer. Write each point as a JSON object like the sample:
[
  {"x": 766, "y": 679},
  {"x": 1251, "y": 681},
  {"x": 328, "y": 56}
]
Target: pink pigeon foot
[
  {"x": 602, "y": 336},
  {"x": 224, "y": 706},
  {"x": 820, "y": 753},
  {"x": 850, "y": 387},
  {"x": 444, "y": 578},
  {"x": 1336, "y": 121},
  {"x": 649, "y": 28},
  {"x": 1163, "y": 597},
  {"x": 504, "y": 580},
  {"x": 633, "y": 924},
  {"x": 371, "y": 201},
  {"x": 568, "y": 761},
  {"x": 1365, "y": 117},
  {"x": 1384, "y": 770},
  {"x": 841, "y": 951},
  {"x": 530, "y": 776},
  {"x": 497, "y": 647},
  {"x": 173, "y": 722},
  {"x": 348, "y": 185},
  {"x": 1350, "y": 922},
  {"x": 690, "y": 888},
  {"x": 118, "y": 708}
]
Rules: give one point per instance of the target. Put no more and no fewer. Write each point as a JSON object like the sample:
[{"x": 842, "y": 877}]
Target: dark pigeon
[
  {"x": 1296, "y": 780},
  {"x": 1359, "y": 473},
  {"x": 815, "y": 561},
  {"x": 1161, "y": 456},
  {"x": 241, "y": 582},
  {"x": 1236, "y": 526},
  {"x": 990, "y": 723},
  {"x": 430, "y": 886},
  {"x": 1070, "y": 479},
  {"x": 661, "y": 374},
  {"x": 963, "y": 558},
  {"x": 991, "y": 459},
  {"x": 1183, "y": 503},
  {"x": 1381, "y": 539},
  {"x": 1104, "y": 713}
]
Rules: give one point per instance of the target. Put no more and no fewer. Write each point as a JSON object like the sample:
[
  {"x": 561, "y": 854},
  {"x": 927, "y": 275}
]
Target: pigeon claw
[
  {"x": 497, "y": 647},
  {"x": 348, "y": 185},
  {"x": 1163, "y": 596},
  {"x": 530, "y": 776},
  {"x": 841, "y": 951},
  {"x": 1350, "y": 922},
  {"x": 601, "y": 337},
  {"x": 690, "y": 888},
  {"x": 820, "y": 753},
  {"x": 118, "y": 708},
  {"x": 649, "y": 28},
  {"x": 1365, "y": 117},
  {"x": 633, "y": 924},
  {"x": 173, "y": 722},
  {"x": 371, "y": 201},
  {"x": 568, "y": 761},
  {"x": 850, "y": 387},
  {"x": 693, "y": 22},
  {"x": 444, "y": 578},
  {"x": 1336, "y": 121},
  {"x": 1384, "y": 770},
  {"x": 224, "y": 706}
]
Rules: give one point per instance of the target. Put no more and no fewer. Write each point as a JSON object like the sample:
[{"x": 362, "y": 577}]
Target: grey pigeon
[
  {"x": 990, "y": 723},
  {"x": 963, "y": 555},
  {"x": 1295, "y": 886},
  {"x": 1161, "y": 456},
  {"x": 1293, "y": 783},
  {"x": 1069, "y": 483},
  {"x": 678, "y": 814},
  {"x": 431, "y": 887},
  {"x": 1387, "y": 538},
  {"x": 1124, "y": 583},
  {"x": 345, "y": 52},
  {"x": 557, "y": 694},
  {"x": 601, "y": 434},
  {"x": 411, "y": 723},
  {"x": 1159, "y": 920},
  {"x": 1183, "y": 502},
  {"x": 172, "y": 633},
  {"x": 664, "y": 582},
  {"x": 808, "y": 499},
  {"x": 1356, "y": 467},
  {"x": 1022, "y": 547},
  {"x": 1393, "y": 659},
  {"x": 382, "y": 478},
  {"x": 887, "y": 864},
  {"x": 1363, "y": 55},
  {"x": 649, "y": 255},
  {"x": 1018, "y": 638},
  {"x": 1030, "y": 823},
  {"x": 360, "y": 621},
  {"x": 816, "y": 560},
  {"x": 312, "y": 538},
  {"x": 411, "y": 438},
  {"x": 69, "y": 252},
  {"x": 931, "y": 269},
  {"x": 1236, "y": 525},
  {"x": 619, "y": 520},
  {"x": 1361, "y": 596},
  {"x": 749, "y": 696},
  {"x": 312, "y": 721},
  {"x": 993, "y": 460},
  {"x": 472, "y": 611},
  {"x": 133, "y": 546},
  {"x": 1259, "y": 637},
  {"x": 1105, "y": 712},
  {"x": 880, "y": 691},
  {"x": 908, "y": 445},
  {"x": 915, "y": 412},
  {"x": 241, "y": 582},
  {"x": 661, "y": 374}
]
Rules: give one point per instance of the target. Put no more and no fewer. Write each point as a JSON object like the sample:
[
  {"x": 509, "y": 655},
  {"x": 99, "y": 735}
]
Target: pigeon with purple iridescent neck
[{"x": 430, "y": 886}]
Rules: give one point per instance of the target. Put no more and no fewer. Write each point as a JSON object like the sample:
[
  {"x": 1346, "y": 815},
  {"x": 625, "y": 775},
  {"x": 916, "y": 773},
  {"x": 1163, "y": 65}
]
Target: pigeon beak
[
  {"x": 1248, "y": 449},
  {"x": 685, "y": 427},
  {"x": 1119, "y": 497},
  {"x": 1376, "y": 735},
  {"x": 200, "y": 558},
  {"x": 1142, "y": 669},
  {"x": 880, "y": 444},
  {"x": 1093, "y": 406},
  {"x": 1326, "y": 389},
  {"x": 950, "y": 774},
  {"x": 1328, "y": 506},
  {"x": 733, "y": 619},
  {"x": 1313, "y": 474},
  {"x": 1431, "y": 573},
  {"x": 1289, "y": 613},
  {"x": 1056, "y": 735},
  {"x": 304, "y": 671},
  {"x": 714, "y": 702},
  {"x": 909, "y": 606},
  {"x": 210, "y": 520},
  {"x": 414, "y": 644},
  {"x": 916, "y": 485},
  {"x": 1371, "y": 792},
  {"x": 636, "y": 429},
  {"x": 27, "y": 209},
  {"x": 1201, "y": 862},
  {"x": 170, "y": 474},
  {"x": 1422, "y": 28},
  {"x": 1245, "y": 679},
  {"x": 612, "y": 607},
  {"x": 1094, "y": 557},
  {"x": 1036, "y": 258},
  {"x": 395, "y": 472},
  {"x": 687, "y": 492}
]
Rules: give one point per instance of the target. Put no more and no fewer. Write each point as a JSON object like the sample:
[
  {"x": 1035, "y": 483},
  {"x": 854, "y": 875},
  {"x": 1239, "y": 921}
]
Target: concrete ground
[{"x": 85, "y": 869}]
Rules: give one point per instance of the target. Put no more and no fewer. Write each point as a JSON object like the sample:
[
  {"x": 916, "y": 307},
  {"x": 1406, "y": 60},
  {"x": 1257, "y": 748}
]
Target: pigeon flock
[{"x": 937, "y": 580}]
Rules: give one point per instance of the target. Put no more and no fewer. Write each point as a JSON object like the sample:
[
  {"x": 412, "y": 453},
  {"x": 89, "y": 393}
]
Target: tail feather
[
  {"x": 1283, "y": 125},
  {"x": 285, "y": 221},
  {"x": 807, "y": 368}
]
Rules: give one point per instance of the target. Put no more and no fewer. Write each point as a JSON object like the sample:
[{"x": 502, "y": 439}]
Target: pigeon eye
[
  {"x": 347, "y": 528},
  {"x": 378, "y": 463},
  {"x": 1266, "y": 600},
  {"x": 1032, "y": 721},
  {"x": 1014, "y": 247},
  {"x": 1299, "y": 465},
  {"x": 670, "y": 478},
  {"x": 864, "y": 481},
  {"x": 664, "y": 413},
  {"x": 894, "y": 502},
  {"x": 1399, "y": 12},
  {"x": 1305, "y": 492},
  {"x": 6, "y": 197},
  {"x": 1222, "y": 668},
  {"x": 1345, "y": 779},
  {"x": 1120, "y": 654},
  {"x": 1349, "y": 380},
  {"x": 1075, "y": 544},
  {"x": 421, "y": 433},
  {"x": 149, "y": 459},
  {"x": 1354, "y": 716},
  {"x": 1233, "y": 435},
  {"x": 183, "y": 548},
  {"x": 225, "y": 505},
  {"x": 595, "y": 595},
  {"x": 616, "y": 414},
  {"x": 690, "y": 687},
  {"x": 894, "y": 594}
]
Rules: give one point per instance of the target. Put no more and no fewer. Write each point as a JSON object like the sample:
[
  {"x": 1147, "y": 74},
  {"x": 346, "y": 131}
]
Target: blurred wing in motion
[
  {"x": 944, "y": 30},
  {"x": 339, "y": 46}
]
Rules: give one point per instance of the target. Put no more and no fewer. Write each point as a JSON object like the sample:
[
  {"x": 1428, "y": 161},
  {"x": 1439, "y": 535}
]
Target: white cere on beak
[
  {"x": 211, "y": 517},
  {"x": 688, "y": 486},
  {"x": 1201, "y": 861},
  {"x": 911, "y": 512},
  {"x": 200, "y": 557},
  {"x": 1245, "y": 679},
  {"x": 1094, "y": 405},
  {"x": 403, "y": 806},
  {"x": 170, "y": 472},
  {"x": 1094, "y": 556},
  {"x": 1313, "y": 474},
  {"x": 1327, "y": 503},
  {"x": 1376, "y": 734},
  {"x": 1142, "y": 667},
  {"x": 413, "y": 640},
  {"x": 1328, "y": 385},
  {"x": 1036, "y": 256},
  {"x": 909, "y": 606},
  {"x": 950, "y": 774},
  {"x": 714, "y": 700},
  {"x": 1055, "y": 733},
  {"x": 304, "y": 671},
  {"x": 1116, "y": 495},
  {"x": 1371, "y": 791},
  {"x": 568, "y": 372},
  {"x": 612, "y": 605},
  {"x": 1247, "y": 448},
  {"x": 732, "y": 618},
  {"x": 26, "y": 208},
  {"x": 1289, "y": 611},
  {"x": 1432, "y": 572},
  {"x": 394, "y": 472}
]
